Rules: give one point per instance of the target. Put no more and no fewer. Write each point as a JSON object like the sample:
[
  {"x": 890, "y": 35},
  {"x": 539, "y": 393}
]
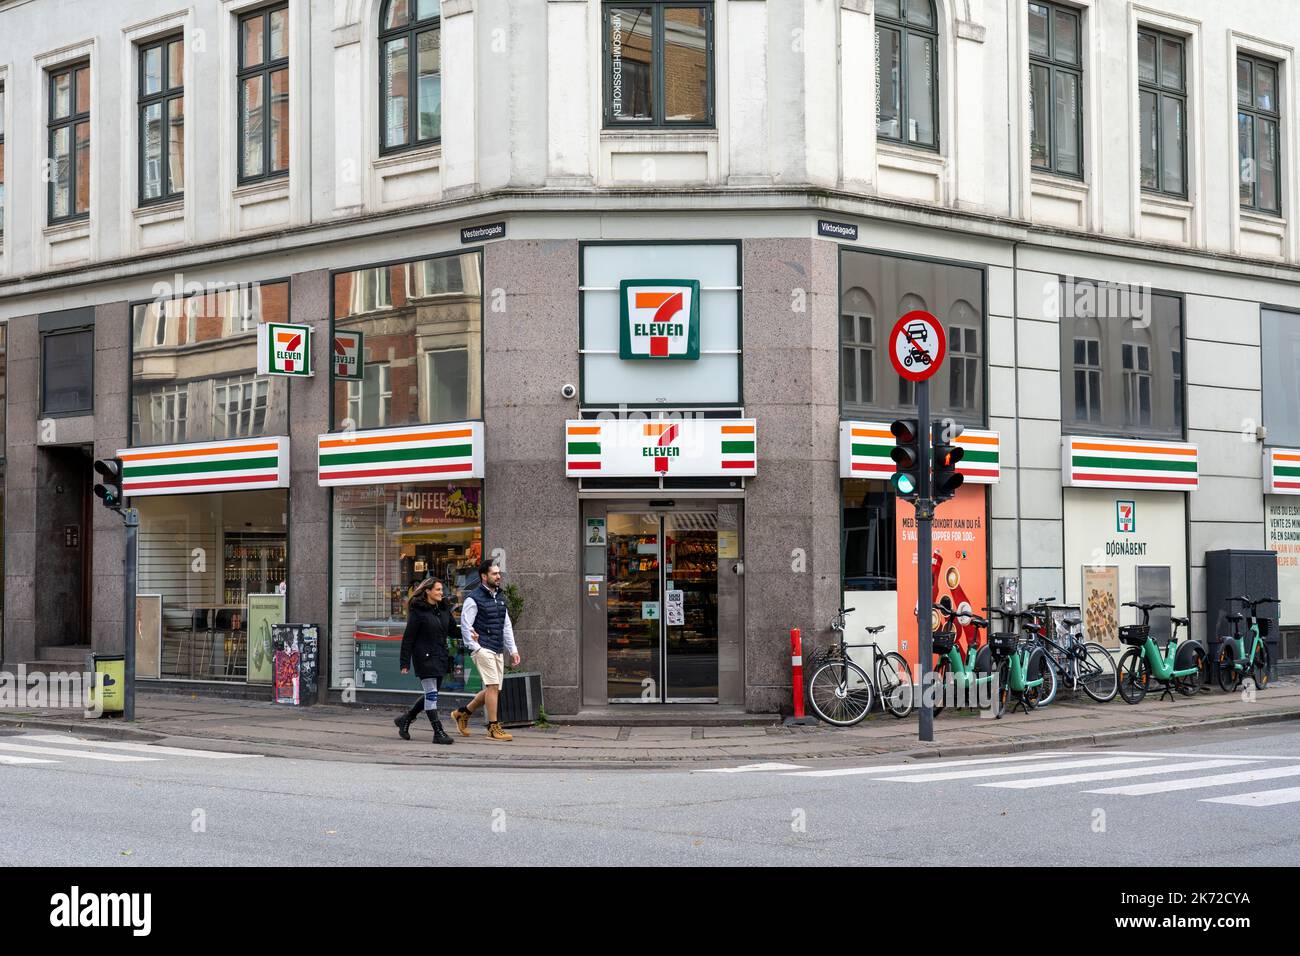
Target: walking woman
[{"x": 428, "y": 625}]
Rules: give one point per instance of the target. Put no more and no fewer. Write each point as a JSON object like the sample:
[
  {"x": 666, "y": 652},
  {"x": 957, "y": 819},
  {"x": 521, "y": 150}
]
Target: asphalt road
[{"x": 1182, "y": 801}]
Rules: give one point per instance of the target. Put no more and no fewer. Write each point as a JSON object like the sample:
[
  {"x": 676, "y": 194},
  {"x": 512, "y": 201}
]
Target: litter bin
[
  {"x": 294, "y": 663},
  {"x": 110, "y": 683}
]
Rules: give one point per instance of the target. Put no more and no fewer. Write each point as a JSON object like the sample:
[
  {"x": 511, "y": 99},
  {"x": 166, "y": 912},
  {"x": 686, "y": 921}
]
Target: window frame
[
  {"x": 1161, "y": 91},
  {"x": 164, "y": 97},
  {"x": 70, "y": 122},
  {"x": 863, "y": 350},
  {"x": 410, "y": 32},
  {"x": 45, "y": 336},
  {"x": 264, "y": 71},
  {"x": 657, "y": 85},
  {"x": 2, "y": 159},
  {"x": 905, "y": 29},
  {"x": 1256, "y": 114},
  {"x": 1054, "y": 65}
]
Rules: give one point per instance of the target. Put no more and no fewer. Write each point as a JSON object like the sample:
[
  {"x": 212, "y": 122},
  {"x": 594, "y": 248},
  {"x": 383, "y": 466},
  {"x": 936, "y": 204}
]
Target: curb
[{"x": 109, "y": 730}]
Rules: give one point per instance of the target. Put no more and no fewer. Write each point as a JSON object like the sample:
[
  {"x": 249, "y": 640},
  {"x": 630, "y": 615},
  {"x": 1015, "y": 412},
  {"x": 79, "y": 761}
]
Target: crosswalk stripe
[
  {"x": 1190, "y": 755},
  {"x": 1215, "y": 780},
  {"x": 1260, "y": 798},
  {"x": 752, "y": 768},
  {"x": 922, "y": 765},
  {"x": 9, "y": 758},
  {"x": 143, "y": 748},
  {"x": 1005, "y": 771},
  {"x": 1033, "y": 782},
  {"x": 63, "y": 752}
]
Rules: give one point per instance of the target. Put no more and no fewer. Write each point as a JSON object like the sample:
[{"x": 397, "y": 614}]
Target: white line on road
[
  {"x": 751, "y": 768},
  {"x": 143, "y": 748},
  {"x": 87, "y": 754},
  {"x": 1260, "y": 798},
  {"x": 8, "y": 758},
  {"x": 922, "y": 765},
  {"x": 1111, "y": 774},
  {"x": 1006, "y": 771},
  {"x": 1215, "y": 780},
  {"x": 1160, "y": 753}
]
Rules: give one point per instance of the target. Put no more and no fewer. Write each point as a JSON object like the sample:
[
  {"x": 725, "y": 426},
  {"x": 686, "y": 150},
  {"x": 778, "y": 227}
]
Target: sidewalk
[{"x": 366, "y": 733}]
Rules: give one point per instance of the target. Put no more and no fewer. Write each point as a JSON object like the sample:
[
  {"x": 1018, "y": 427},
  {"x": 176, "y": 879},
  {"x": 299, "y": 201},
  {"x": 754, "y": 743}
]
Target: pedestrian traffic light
[
  {"x": 906, "y": 480},
  {"x": 109, "y": 489},
  {"x": 946, "y": 479}
]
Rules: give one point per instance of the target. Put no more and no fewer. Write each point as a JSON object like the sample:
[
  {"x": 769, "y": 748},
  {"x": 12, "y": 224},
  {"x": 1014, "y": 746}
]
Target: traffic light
[
  {"x": 109, "y": 489},
  {"x": 906, "y": 480},
  {"x": 945, "y": 478}
]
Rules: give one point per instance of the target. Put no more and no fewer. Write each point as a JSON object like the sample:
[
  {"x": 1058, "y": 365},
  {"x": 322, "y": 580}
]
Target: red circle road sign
[{"x": 917, "y": 345}]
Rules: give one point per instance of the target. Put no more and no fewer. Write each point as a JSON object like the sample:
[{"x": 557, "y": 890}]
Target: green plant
[
  {"x": 514, "y": 603},
  {"x": 542, "y": 722}
]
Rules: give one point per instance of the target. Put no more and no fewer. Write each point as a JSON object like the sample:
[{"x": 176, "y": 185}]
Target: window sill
[
  {"x": 909, "y": 157},
  {"x": 1061, "y": 185},
  {"x": 1161, "y": 201},
  {"x": 270, "y": 188},
  {"x": 1262, "y": 221},
  {"x": 413, "y": 158},
  {"x": 659, "y": 133},
  {"x": 159, "y": 212},
  {"x": 72, "y": 229}
]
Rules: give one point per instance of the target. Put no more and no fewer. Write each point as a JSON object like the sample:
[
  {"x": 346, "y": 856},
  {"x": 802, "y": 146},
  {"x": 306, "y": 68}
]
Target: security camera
[{"x": 568, "y": 391}]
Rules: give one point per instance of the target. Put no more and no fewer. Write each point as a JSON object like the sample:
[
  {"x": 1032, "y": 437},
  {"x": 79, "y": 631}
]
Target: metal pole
[
  {"x": 924, "y": 569},
  {"x": 131, "y": 518}
]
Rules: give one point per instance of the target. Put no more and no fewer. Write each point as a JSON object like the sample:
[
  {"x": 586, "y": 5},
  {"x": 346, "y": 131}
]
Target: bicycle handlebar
[
  {"x": 1256, "y": 602},
  {"x": 950, "y": 613},
  {"x": 1146, "y": 607}
]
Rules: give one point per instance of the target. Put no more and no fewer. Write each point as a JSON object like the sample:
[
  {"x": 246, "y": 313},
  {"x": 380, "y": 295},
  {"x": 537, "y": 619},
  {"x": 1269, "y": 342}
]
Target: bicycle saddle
[
  {"x": 1180, "y": 621},
  {"x": 1231, "y": 617},
  {"x": 1071, "y": 619},
  {"x": 876, "y": 630}
]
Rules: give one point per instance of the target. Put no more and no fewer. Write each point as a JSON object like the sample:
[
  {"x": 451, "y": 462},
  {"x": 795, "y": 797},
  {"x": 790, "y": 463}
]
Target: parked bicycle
[
  {"x": 1022, "y": 668},
  {"x": 1076, "y": 662},
  {"x": 1234, "y": 662},
  {"x": 1180, "y": 666},
  {"x": 841, "y": 693},
  {"x": 969, "y": 674}
]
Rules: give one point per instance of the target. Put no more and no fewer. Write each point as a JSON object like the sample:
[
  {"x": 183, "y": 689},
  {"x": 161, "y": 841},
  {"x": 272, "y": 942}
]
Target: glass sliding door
[
  {"x": 691, "y": 605},
  {"x": 633, "y": 607}
]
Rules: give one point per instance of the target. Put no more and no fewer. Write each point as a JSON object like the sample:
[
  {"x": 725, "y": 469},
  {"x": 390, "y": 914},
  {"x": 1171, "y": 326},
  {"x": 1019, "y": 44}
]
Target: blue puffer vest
[{"x": 489, "y": 618}]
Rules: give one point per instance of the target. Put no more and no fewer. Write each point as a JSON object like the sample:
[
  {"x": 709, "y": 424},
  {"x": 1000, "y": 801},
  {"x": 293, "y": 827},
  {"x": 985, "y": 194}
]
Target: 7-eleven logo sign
[
  {"x": 659, "y": 319},
  {"x": 348, "y": 350},
  {"x": 1125, "y": 517},
  {"x": 660, "y": 445},
  {"x": 283, "y": 349}
]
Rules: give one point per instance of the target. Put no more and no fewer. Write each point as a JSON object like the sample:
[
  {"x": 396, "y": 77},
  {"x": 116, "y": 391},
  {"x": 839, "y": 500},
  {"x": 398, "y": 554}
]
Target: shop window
[
  {"x": 955, "y": 295},
  {"x": 1280, "y": 352},
  {"x": 162, "y": 120},
  {"x": 67, "y": 372},
  {"x": 1055, "y": 89},
  {"x": 658, "y": 64},
  {"x": 1162, "y": 113},
  {"x": 1258, "y": 119},
  {"x": 907, "y": 91},
  {"x": 262, "y": 87},
  {"x": 410, "y": 74},
  {"x": 868, "y": 551},
  {"x": 69, "y": 143},
  {"x": 194, "y": 367},
  {"x": 421, "y": 324},
  {"x": 386, "y": 539},
  {"x": 1124, "y": 346},
  {"x": 205, "y": 554}
]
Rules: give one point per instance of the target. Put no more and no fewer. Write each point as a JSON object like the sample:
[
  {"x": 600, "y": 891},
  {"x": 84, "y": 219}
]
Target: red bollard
[{"x": 796, "y": 664}]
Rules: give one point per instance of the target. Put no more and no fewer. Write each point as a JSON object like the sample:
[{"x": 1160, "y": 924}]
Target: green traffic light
[{"x": 903, "y": 484}]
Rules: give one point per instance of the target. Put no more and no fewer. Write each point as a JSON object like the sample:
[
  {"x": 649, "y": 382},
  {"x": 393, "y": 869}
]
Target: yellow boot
[{"x": 496, "y": 733}]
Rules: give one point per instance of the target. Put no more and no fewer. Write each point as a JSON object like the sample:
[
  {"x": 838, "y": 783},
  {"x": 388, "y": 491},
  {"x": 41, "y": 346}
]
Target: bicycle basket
[
  {"x": 1002, "y": 643},
  {"x": 1134, "y": 635},
  {"x": 942, "y": 641},
  {"x": 1264, "y": 625}
]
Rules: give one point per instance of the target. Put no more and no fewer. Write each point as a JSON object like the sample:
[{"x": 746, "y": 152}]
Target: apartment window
[
  {"x": 448, "y": 385},
  {"x": 2, "y": 160},
  {"x": 658, "y": 64},
  {"x": 1087, "y": 379},
  {"x": 1162, "y": 112},
  {"x": 964, "y": 374},
  {"x": 410, "y": 74},
  {"x": 1137, "y": 383},
  {"x": 168, "y": 408},
  {"x": 907, "y": 94},
  {"x": 1258, "y": 120},
  {"x": 1055, "y": 87},
  {"x": 69, "y": 195},
  {"x": 264, "y": 94},
  {"x": 371, "y": 291},
  {"x": 430, "y": 277},
  {"x": 241, "y": 404},
  {"x": 371, "y": 399},
  {"x": 162, "y": 120},
  {"x": 857, "y": 359}
]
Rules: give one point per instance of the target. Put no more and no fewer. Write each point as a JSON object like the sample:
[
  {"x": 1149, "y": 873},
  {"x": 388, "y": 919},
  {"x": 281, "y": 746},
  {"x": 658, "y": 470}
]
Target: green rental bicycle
[
  {"x": 960, "y": 678},
  {"x": 1233, "y": 661},
  {"x": 1022, "y": 668},
  {"x": 1180, "y": 666}
]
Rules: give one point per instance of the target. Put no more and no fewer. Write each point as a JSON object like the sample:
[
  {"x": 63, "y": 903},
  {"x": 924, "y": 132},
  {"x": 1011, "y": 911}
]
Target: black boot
[
  {"x": 404, "y": 722},
  {"x": 439, "y": 735}
]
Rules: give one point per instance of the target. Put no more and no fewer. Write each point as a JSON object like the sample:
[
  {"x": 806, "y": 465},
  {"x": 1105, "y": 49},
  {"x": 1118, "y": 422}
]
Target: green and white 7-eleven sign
[
  {"x": 659, "y": 319},
  {"x": 283, "y": 349}
]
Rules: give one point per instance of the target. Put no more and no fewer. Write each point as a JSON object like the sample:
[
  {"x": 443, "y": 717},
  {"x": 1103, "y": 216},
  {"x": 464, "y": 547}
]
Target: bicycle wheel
[
  {"x": 940, "y": 680},
  {"x": 1003, "y": 690},
  {"x": 1228, "y": 675},
  {"x": 1133, "y": 676},
  {"x": 1259, "y": 670},
  {"x": 841, "y": 693},
  {"x": 894, "y": 682},
  {"x": 1097, "y": 673},
  {"x": 1189, "y": 685},
  {"x": 1044, "y": 693}
]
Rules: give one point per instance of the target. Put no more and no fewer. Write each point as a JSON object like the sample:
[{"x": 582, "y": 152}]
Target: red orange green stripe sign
[
  {"x": 865, "y": 448},
  {"x": 399, "y": 455},
  {"x": 1089, "y": 462},
  {"x": 239, "y": 465},
  {"x": 1282, "y": 470},
  {"x": 685, "y": 447}
]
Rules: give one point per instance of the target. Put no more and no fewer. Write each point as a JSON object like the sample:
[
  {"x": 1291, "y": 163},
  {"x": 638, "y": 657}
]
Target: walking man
[{"x": 485, "y": 629}]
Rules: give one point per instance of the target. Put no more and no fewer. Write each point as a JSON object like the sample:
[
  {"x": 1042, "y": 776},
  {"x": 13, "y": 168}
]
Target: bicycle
[
  {"x": 1180, "y": 666},
  {"x": 841, "y": 693},
  {"x": 1233, "y": 661},
  {"x": 1022, "y": 668},
  {"x": 967, "y": 674},
  {"x": 1077, "y": 663}
]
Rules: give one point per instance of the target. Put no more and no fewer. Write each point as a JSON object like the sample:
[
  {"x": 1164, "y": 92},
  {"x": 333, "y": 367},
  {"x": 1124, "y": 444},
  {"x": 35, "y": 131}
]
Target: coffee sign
[
  {"x": 283, "y": 349},
  {"x": 659, "y": 319}
]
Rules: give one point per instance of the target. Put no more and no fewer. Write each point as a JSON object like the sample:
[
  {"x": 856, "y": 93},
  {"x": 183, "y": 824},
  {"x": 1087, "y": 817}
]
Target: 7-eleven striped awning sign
[
  {"x": 865, "y": 448},
  {"x": 661, "y": 447},
  {"x": 1089, "y": 462},
  {"x": 386, "y": 456},
  {"x": 1282, "y": 471},
  {"x": 241, "y": 465}
]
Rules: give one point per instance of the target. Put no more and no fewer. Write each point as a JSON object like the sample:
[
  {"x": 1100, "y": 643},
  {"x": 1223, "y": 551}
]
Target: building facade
[{"x": 603, "y": 290}]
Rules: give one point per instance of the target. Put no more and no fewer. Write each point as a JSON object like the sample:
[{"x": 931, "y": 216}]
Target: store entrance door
[{"x": 662, "y": 606}]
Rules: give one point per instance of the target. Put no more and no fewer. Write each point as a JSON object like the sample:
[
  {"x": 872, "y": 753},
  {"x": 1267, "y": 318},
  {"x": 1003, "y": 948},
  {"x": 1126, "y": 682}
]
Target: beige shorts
[{"x": 491, "y": 666}]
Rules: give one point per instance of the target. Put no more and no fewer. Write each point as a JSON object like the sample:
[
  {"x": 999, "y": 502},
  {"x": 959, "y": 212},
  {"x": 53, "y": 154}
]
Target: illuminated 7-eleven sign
[
  {"x": 283, "y": 349},
  {"x": 659, "y": 319}
]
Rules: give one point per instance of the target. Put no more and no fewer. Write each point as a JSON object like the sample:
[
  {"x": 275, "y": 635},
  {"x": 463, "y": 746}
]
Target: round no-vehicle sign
[{"x": 917, "y": 345}]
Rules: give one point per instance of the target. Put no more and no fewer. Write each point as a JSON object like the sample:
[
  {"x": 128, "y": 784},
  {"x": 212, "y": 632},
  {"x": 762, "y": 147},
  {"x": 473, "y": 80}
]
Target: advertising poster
[
  {"x": 148, "y": 635},
  {"x": 596, "y": 531},
  {"x": 960, "y": 563},
  {"x": 1101, "y": 604},
  {"x": 286, "y": 661},
  {"x": 1282, "y": 534},
  {"x": 264, "y": 612}
]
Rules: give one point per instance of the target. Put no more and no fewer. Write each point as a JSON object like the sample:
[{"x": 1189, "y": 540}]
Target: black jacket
[{"x": 425, "y": 639}]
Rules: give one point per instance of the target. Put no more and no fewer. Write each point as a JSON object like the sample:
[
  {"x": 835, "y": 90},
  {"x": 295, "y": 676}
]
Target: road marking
[
  {"x": 1260, "y": 798},
  {"x": 1033, "y": 782},
  {"x": 1189, "y": 755},
  {"x": 86, "y": 754},
  {"x": 1215, "y": 780},
  {"x": 1004, "y": 771},
  {"x": 7, "y": 758},
  {"x": 751, "y": 768},
  {"x": 922, "y": 765},
  {"x": 143, "y": 748}
]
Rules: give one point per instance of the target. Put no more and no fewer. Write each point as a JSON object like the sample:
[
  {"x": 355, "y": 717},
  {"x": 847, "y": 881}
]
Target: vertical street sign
[{"x": 917, "y": 347}]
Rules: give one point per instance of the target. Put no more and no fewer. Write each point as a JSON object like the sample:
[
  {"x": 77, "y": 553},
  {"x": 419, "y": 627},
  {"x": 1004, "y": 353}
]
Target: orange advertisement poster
[{"x": 959, "y": 558}]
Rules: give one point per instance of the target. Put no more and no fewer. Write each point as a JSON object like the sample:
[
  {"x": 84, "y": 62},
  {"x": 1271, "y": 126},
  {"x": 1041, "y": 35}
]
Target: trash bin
[
  {"x": 109, "y": 691},
  {"x": 520, "y": 703},
  {"x": 294, "y": 662}
]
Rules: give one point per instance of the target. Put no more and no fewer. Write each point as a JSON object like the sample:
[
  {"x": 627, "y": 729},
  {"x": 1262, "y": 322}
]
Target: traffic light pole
[
  {"x": 131, "y": 519},
  {"x": 924, "y": 567}
]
